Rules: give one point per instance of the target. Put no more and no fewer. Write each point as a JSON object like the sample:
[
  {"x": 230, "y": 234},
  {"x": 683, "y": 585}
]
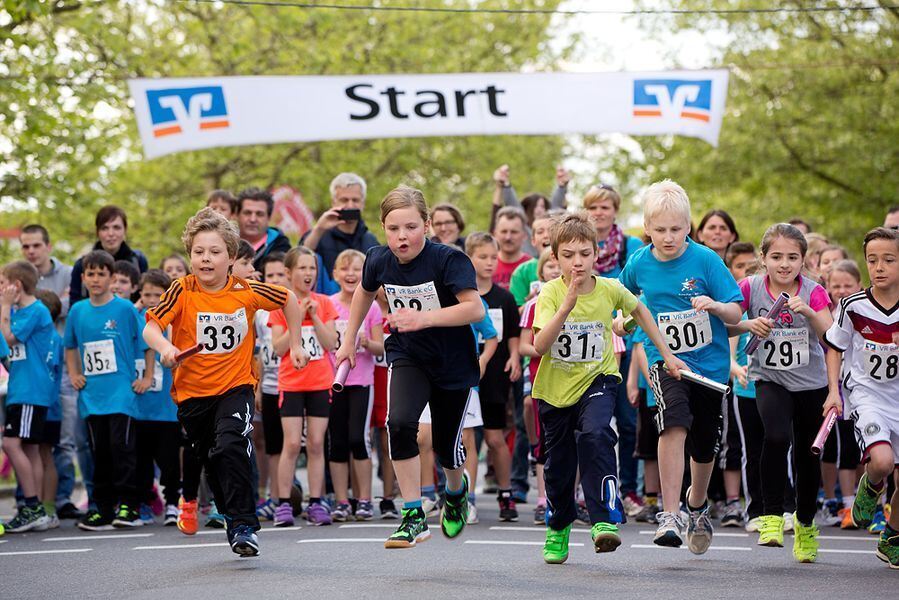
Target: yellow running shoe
[
  {"x": 771, "y": 531},
  {"x": 805, "y": 541}
]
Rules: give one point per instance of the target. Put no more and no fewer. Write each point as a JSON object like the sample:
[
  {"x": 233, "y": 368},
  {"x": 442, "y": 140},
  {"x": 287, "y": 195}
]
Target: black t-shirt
[
  {"x": 429, "y": 282},
  {"x": 504, "y": 313}
]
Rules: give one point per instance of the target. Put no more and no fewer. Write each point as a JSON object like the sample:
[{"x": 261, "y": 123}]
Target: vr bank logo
[
  {"x": 176, "y": 110},
  {"x": 673, "y": 98}
]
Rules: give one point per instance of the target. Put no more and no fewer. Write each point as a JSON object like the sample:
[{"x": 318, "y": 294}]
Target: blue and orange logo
[
  {"x": 175, "y": 110},
  {"x": 680, "y": 98}
]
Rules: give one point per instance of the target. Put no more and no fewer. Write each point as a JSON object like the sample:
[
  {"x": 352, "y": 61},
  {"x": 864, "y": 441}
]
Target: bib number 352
[
  {"x": 579, "y": 342},
  {"x": 99, "y": 358},
  {"x": 221, "y": 333},
  {"x": 685, "y": 331}
]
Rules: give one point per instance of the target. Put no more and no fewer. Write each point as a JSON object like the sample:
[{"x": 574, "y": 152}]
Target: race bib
[
  {"x": 221, "y": 333},
  {"x": 341, "y": 334},
  {"x": 311, "y": 344},
  {"x": 421, "y": 297},
  {"x": 579, "y": 342},
  {"x": 686, "y": 330},
  {"x": 785, "y": 349},
  {"x": 381, "y": 361},
  {"x": 496, "y": 316},
  {"x": 17, "y": 352},
  {"x": 270, "y": 360},
  {"x": 881, "y": 361},
  {"x": 99, "y": 358},
  {"x": 140, "y": 368}
]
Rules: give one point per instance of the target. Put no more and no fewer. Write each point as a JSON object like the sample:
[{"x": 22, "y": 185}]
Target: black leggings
[
  {"x": 348, "y": 426},
  {"x": 409, "y": 389},
  {"x": 784, "y": 413}
]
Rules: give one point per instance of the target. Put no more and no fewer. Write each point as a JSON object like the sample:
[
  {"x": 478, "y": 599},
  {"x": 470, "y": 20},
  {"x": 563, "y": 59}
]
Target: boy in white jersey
[{"x": 868, "y": 324}]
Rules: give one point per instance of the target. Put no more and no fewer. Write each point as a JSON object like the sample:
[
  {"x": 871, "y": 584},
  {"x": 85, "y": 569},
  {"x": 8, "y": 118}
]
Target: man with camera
[{"x": 341, "y": 227}]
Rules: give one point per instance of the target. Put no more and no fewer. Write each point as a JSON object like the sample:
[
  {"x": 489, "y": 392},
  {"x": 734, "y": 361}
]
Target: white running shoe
[
  {"x": 788, "y": 522},
  {"x": 473, "y": 514},
  {"x": 670, "y": 530}
]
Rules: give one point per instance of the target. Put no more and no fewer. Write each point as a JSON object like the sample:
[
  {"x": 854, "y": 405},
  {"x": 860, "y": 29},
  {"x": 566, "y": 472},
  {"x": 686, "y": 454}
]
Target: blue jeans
[
  {"x": 520, "y": 466},
  {"x": 72, "y": 443},
  {"x": 626, "y": 423}
]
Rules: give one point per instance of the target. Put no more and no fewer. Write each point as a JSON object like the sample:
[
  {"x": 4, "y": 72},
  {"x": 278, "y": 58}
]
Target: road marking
[
  {"x": 510, "y": 543},
  {"x": 265, "y": 529},
  {"x": 653, "y": 546},
  {"x": 534, "y": 529},
  {"x": 848, "y": 551},
  {"x": 717, "y": 534},
  {"x": 848, "y": 538},
  {"x": 112, "y": 536},
  {"x": 340, "y": 540},
  {"x": 27, "y": 552},
  {"x": 179, "y": 546},
  {"x": 368, "y": 526}
]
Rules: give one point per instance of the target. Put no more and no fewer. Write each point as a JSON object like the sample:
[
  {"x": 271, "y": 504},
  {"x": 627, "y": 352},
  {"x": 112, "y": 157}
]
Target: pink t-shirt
[
  {"x": 503, "y": 274},
  {"x": 364, "y": 373}
]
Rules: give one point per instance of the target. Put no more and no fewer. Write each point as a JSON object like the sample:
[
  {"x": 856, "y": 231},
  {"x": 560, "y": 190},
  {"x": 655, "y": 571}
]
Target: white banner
[{"x": 190, "y": 114}]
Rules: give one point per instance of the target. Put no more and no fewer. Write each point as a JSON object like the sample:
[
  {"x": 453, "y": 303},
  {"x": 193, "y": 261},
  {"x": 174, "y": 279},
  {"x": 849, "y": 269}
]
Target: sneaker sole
[
  {"x": 731, "y": 523},
  {"x": 245, "y": 549},
  {"x": 120, "y": 524},
  {"x": 509, "y": 520},
  {"x": 668, "y": 540},
  {"x": 771, "y": 544},
  {"x": 93, "y": 527},
  {"x": 555, "y": 561},
  {"x": 698, "y": 544},
  {"x": 170, "y": 523},
  {"x": 186, "y": 530},
  {"x": 398, "y": 544},
  {"x": 885, "y": 559},
  {"x": 282, "y": 524},
  {"x": 606, "y": 543},
  {"x": 215, "y": 524}
]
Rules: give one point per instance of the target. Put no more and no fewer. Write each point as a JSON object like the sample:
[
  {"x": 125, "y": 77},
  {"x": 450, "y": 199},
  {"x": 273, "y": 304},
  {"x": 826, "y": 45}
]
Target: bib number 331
[{"x": 221, "y": 333}]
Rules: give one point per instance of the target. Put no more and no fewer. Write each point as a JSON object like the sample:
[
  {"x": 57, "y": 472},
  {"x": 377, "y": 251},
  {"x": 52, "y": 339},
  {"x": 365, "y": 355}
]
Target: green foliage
[
  {"x": 811, "y": 126},
  {"x": 69, "y": 144}
]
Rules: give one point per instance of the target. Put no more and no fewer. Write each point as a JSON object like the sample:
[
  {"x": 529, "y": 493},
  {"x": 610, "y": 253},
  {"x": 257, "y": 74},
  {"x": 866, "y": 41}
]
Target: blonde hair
[
  {"x": 574, "y": 227},
  {"x": 478, "y": 239},
  {"x": 545, "y": 257},
  {"x": 292, "y": 258},
  {"x": 665, "y": 196},
  {"x": 599, "y": 193},
  {"x": 404, "y": 197},
  {"x": 208, "y": 219},
  {"x": 347, "y": 257}
]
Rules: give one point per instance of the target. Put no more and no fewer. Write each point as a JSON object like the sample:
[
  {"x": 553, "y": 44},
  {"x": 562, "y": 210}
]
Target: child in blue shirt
[
  {"x": 158, "y": 431},
  {"x": 28, "y": 331},
  {"x": 102, "y": 341},
  {"x": 691, "y": 295}
]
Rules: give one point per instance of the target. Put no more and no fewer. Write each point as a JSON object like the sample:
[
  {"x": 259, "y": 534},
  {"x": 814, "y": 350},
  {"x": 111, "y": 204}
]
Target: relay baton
[
  {"x": 826, "y": 426},
  {"x": 754, "y": 342},
  {"x": 188, "y": 353},
  {"x": 629, "y": 324},
  {"x": 340, "y": 378},
  {"x": 709, "y": 383}
]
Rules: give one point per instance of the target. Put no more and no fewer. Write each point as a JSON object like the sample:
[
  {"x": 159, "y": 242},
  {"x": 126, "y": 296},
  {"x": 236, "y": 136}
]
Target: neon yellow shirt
[{"x": 583, "y": 349}]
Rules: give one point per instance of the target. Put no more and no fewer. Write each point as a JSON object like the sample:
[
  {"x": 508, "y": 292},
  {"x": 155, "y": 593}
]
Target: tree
[{"x": 68, "y": 141}]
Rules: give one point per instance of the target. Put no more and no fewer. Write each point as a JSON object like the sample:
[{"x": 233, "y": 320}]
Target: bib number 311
[{"x": 579, "y": 342}]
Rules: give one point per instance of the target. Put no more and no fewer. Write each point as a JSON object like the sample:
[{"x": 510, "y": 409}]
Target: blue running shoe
[
  {"x": 243, "y": 541},
  {"x": 214, "y": 520},
  {"x": 146, "y": 514},
  {"x": 265, "y": 510},
  {"x": 879, "y": 523}
]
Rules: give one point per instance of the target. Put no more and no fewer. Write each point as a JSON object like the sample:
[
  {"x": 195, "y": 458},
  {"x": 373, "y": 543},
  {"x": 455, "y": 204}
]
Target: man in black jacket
[
  {"x": 333, "y": 233},
  {"x": 254, "y": 210}
]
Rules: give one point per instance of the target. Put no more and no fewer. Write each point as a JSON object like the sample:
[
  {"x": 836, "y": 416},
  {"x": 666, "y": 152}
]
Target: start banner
[{"x": 174, "y": 115}]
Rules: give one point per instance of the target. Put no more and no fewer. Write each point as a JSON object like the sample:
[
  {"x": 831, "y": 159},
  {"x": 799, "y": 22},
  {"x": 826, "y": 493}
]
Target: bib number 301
[
  {"x": 686, "y": 331},
  {"x": 221, "y": 333},
  {"x": 579, "y": 342}
]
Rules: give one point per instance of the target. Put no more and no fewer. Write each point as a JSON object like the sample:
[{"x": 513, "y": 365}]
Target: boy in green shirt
[{"x": 577, "y": 383}]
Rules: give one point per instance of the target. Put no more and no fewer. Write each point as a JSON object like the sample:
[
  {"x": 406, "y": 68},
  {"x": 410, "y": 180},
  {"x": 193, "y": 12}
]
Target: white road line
[
  {"x": 717, "y": 534},
  {"x": 340, "y": 540},
  {"x": 510, "y": 543},
  {"x": 654, "y": 547},
  {"x": 849, "y": 538},
  {"x": 111, "y": 536},
  {"x": 368, "y": 526},
  {"x": 27, "y": 552},
  {"x": 534, "y": 529},
  {"x": 847, "y": 551},
  {"x": 3, "y": 541},
  {"x": 179, "y": 546},
  {"x": 264, "y": 529}
]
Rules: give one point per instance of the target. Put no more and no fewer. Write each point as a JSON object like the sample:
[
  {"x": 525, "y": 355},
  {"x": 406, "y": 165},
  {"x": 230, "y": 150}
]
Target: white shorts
[
  {"x": 473, "y": 417},
  {"x": 873, "y": 425}
]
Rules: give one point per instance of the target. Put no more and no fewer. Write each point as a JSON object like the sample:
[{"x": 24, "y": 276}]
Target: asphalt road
[{"x": 490, "y": 560}]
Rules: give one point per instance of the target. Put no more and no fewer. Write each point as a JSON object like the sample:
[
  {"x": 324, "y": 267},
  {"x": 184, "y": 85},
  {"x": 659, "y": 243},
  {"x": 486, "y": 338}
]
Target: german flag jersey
[{"x": 221, "y": 321}]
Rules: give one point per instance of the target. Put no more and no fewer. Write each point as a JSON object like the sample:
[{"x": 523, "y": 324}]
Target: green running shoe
[
  {"x": 771, "y": 531},
  {"x": 605, "y": 537},
  {"x": 805, "y": 541},
  {"x": 888, "y": 548},
  {"x": 454, "y": 514},
  {"x": 555, "y": 548},
  {"x": 412, "y": 530},
  {"x": 865, "y": 503}
]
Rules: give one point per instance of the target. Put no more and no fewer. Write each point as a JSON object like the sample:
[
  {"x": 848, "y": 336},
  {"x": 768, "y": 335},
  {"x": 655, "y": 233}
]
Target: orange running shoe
[
  {"x": 187, "y": 517},
  {"x": 846, "y": 515}
]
